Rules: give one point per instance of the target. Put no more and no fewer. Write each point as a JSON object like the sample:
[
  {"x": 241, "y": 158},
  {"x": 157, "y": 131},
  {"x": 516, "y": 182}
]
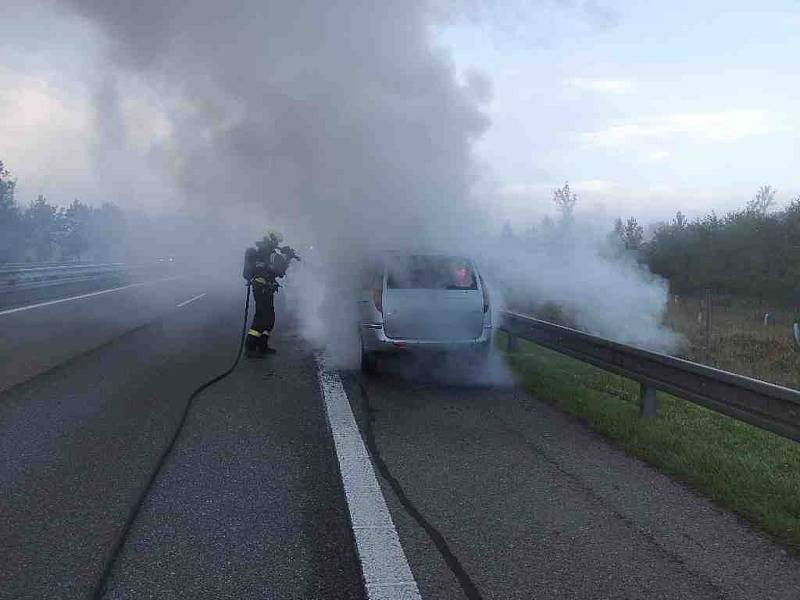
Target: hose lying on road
[
  {"x": 100, "y": 588},
  {"x": 464, "y": 580}
]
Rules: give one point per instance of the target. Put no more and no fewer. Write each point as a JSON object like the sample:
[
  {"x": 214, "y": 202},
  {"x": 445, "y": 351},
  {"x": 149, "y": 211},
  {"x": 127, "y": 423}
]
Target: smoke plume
[
  {"x": 341, "y": 123},
  {"x": 329, "y": 118}
]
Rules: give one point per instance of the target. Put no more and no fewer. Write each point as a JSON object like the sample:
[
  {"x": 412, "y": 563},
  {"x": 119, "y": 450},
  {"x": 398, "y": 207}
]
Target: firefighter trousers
[{"x": 264, "y": 317}]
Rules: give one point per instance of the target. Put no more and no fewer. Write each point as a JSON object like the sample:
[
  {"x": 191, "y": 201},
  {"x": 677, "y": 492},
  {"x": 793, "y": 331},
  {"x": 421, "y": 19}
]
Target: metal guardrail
[
  {"x": 9, "y": 266},
  {"x": 16, "y": 277},
  {"x": 759, "y": 403}
]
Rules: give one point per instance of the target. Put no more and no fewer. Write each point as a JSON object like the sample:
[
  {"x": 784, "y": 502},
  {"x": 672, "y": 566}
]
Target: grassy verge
[
  {"x": 740, "y": 341},
  {"x": 752, "y": 472}
]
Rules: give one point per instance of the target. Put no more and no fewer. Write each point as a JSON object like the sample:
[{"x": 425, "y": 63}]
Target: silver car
[{"x": 423, "y": 302}]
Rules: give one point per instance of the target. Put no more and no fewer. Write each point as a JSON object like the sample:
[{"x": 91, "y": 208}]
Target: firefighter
[{"x": 263, "y": 266}]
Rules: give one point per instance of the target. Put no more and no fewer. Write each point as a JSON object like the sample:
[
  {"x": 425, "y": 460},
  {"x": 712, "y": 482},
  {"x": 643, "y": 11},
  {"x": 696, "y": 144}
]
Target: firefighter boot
[
  {"x": 251, "y": 347},
  {"x": 263, "y": 345}
]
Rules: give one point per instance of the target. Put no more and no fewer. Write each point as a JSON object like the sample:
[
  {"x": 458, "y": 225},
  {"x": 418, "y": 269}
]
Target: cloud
[
  {"x": 44, "y": 140},
  {"x": 658, "y": 155},
  {"x": 603, "y": 86},
  {"x": 602, "y": 14},
  {"x": 722, "y": 126},
  {"x": 791, "y": 20},
  {"x": 35, "y": 104}
]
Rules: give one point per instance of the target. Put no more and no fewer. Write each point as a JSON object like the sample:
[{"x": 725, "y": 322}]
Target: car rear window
[{"x": 430, "y": 272}]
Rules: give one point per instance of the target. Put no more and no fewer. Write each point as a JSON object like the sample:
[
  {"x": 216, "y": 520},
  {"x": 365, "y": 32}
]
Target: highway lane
[
  {"x": 35, "y": 338},
  {"x": 533, "y": 505},
  {"x": 248, "y": 507},
  {"x": 528, "y": 502}
]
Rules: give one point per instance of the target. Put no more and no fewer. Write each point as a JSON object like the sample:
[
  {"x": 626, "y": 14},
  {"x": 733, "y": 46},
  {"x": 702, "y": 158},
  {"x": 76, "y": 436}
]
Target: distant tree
[
  {"x": 42, "y": 224},
  {"x": 7, "y": 185},
  {"x": 77, "y": 225},
  {"x": 10, "y": 234},
  {"x": 565, "y": 200},
  {"x": 630, "y": 233},
  {"x": 44, "y": 232},
  {"x": 762, "y": 201},
  {"x": 753, "y": 252}
]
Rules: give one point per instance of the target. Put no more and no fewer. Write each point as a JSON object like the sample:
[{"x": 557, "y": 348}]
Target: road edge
[{"x": 384, "y": 566}]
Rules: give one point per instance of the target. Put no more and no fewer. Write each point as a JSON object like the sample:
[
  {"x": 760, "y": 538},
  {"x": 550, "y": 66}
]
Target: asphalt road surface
[{"x": 493, "y": 494}]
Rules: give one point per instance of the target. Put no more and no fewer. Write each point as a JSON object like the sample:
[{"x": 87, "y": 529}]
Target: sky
[{"x": 644, "y": 108}]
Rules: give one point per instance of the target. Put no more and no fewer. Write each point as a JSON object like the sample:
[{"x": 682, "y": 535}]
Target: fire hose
[{"x": 100, "y": 588}]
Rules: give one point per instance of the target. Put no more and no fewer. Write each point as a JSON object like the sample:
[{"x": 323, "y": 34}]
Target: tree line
[
  {"x": 42, "y": 232},
  {"x": 752, "y": 253}
]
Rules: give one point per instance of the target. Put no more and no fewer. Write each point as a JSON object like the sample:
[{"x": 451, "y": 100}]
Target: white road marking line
[
  {"x": 190, "y": 300},
  {"x": 101, "y": 292},
  {"x": 387, "y": 574}
]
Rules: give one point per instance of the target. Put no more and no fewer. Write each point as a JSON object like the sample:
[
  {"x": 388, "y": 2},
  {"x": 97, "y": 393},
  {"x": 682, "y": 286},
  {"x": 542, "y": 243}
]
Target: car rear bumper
[{"x": 374, "y": 339}]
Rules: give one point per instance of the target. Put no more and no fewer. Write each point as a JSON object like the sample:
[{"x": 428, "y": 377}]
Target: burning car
[{"x": 423, "y": 302}]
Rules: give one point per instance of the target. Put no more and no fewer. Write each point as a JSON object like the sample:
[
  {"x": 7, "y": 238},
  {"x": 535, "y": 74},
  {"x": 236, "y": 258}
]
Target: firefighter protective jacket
[{"x": 263, "y": 265}]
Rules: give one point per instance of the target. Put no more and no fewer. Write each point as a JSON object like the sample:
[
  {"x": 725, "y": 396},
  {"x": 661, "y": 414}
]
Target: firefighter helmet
[
  {"x": 271, "y": 240},
  {"x": 274, "y": 237}
]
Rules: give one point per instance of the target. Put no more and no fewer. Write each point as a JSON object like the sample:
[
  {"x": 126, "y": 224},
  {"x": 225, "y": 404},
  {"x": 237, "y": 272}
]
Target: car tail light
[
  {"x": 377, "y": 298},
  {"x": 485, "y": 296}
]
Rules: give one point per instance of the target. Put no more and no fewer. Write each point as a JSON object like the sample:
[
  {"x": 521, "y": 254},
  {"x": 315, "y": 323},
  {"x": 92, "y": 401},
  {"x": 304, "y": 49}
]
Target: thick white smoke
[
  {"x": 593, "y": 283},
  {"x": 331, "y": 118},
  {"x": 341, "y": 123}
]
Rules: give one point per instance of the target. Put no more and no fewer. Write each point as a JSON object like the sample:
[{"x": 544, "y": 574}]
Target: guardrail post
[
  {"x": 648, "y": 401},
  {"x": 513, "y": 343}
]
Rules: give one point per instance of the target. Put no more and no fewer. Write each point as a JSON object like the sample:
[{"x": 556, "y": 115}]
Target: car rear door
[{"x": 431, "y": 313}]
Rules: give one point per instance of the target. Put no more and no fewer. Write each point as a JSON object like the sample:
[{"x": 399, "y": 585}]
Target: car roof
[{"x": 402, "y": 254}]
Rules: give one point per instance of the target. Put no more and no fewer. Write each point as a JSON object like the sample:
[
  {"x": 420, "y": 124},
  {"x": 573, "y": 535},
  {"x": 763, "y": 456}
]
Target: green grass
[
  {"x": 740, "y": 342},
  {"x": 753, "y": 472}
]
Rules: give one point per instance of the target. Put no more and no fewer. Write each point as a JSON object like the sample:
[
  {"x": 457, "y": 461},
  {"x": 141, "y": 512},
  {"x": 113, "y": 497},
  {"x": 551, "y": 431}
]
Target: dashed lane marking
[
  {"x": 71, "y": 298},
  {"x": 386, "y": 572},
  {"x": 190, "y": 300}
]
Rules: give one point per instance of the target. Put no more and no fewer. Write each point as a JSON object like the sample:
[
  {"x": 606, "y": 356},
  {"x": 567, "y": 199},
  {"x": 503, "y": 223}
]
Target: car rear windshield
[{"x": 430, "y": 272}]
